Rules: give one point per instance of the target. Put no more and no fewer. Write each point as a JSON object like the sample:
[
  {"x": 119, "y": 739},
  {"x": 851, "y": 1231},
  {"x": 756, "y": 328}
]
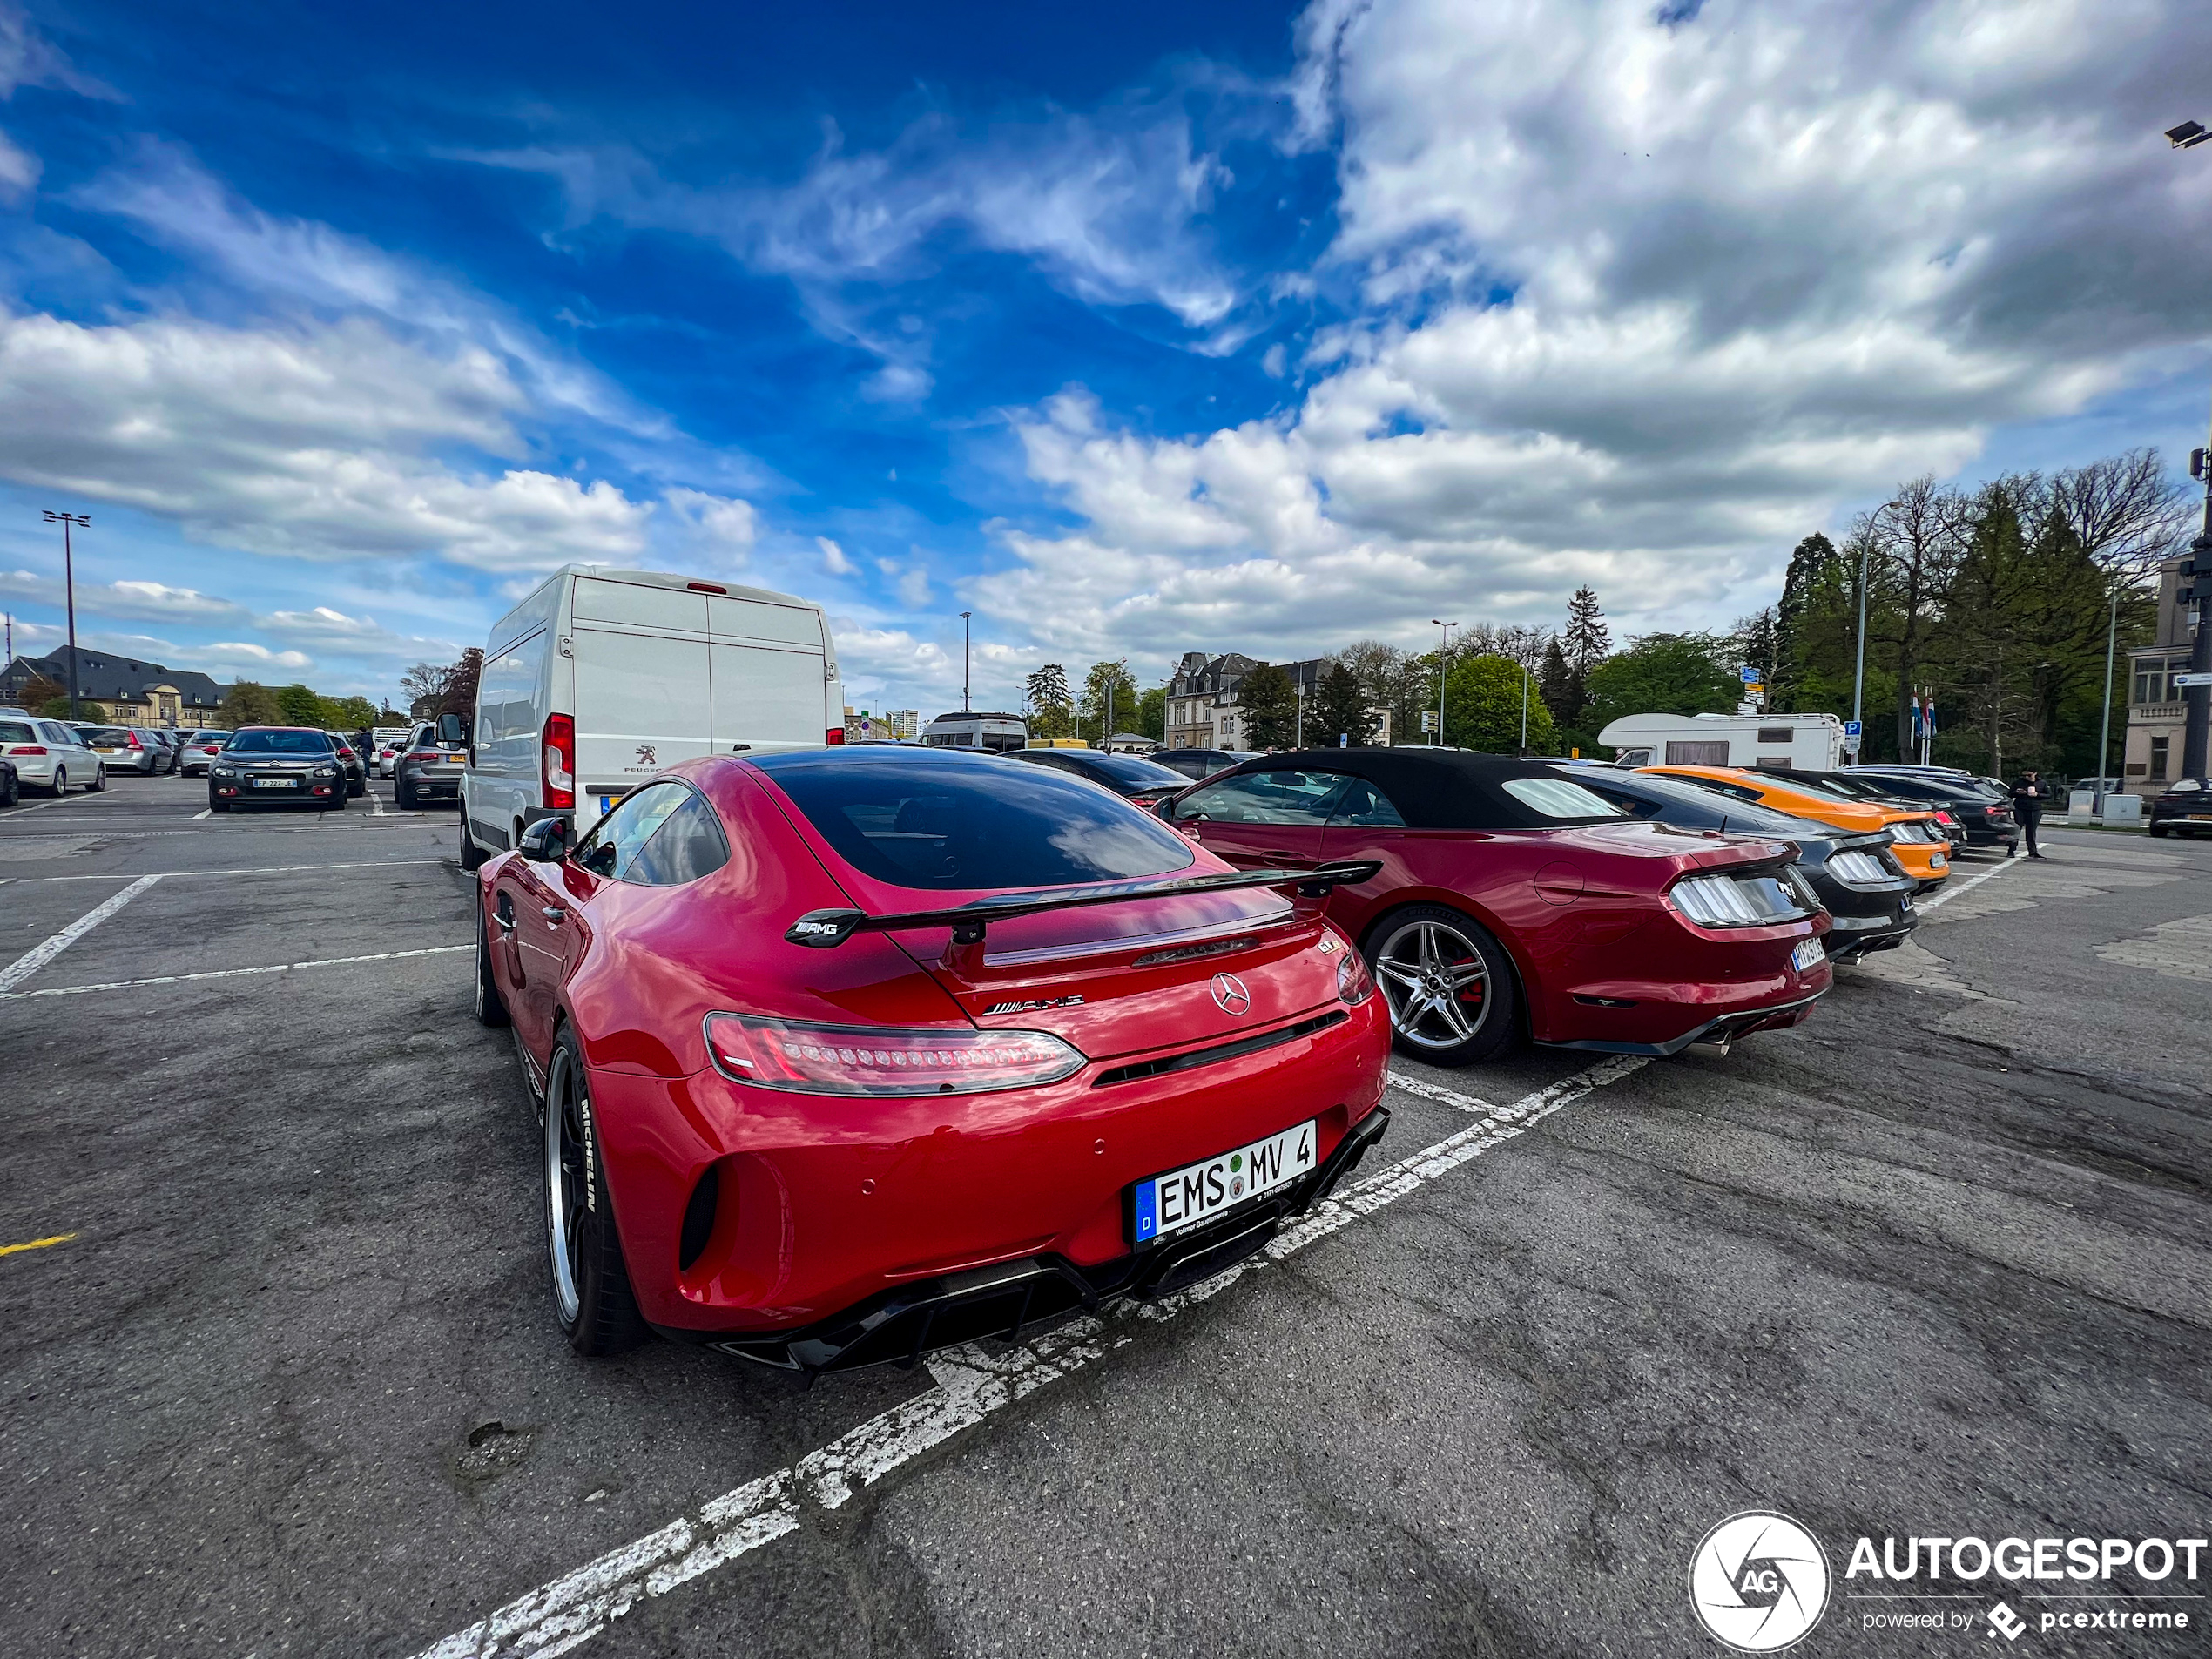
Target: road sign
[
  {"x": 1751, "y": 675},
  {"x": 2184, "y": 681},
  {"x": 1428, "y": 719},
  {"x": 1851, "y": 728}
]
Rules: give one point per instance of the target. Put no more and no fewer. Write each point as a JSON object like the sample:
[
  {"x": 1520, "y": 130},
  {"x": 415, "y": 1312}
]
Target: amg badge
[{"x": 1032, "y": 1007}]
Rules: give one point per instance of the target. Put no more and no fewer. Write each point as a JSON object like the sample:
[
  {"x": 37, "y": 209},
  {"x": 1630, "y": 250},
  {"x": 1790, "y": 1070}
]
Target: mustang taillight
[
  {"x": 558, "y": 758},
  {"x": 1743, "y": 901},
  {"x": 873, "y": 1060},
  {"x": 1946, "y": 818}
]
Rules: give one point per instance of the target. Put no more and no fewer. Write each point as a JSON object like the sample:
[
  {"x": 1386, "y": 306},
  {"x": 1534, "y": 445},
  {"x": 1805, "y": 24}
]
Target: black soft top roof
[{"x": 1434, "y": 788}]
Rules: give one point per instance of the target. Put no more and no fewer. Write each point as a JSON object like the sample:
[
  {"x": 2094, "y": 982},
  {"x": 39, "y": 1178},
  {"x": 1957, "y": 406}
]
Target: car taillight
[
  {"x": 836, "y": 734},
  {"x": 1742, "y": 901},
  {"x": 558, "y": 759},
  {"x": 28, "y": 749},
  {"x": 133, "y": 738},
  {"x": 872, "y": 1060},
  {"x": 1354, "y": 983},
  {"x": 1944, "y": 818}
]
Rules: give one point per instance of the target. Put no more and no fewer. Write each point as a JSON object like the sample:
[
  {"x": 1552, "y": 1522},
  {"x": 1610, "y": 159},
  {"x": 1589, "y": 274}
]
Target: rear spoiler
[{"x": 826, "y": 929}]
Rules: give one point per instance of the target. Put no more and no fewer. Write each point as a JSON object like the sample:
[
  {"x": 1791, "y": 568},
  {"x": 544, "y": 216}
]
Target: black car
[
  {"x": 349, "y": 758},
  {"x": 1865, "y": 890},
  {"x": 2184, "y": 809},
  {"x": 429, "y": 768},
  {"x": 1985, "y": 817},
  {"x": 277, "y": 765},
  {"x": 1201, "y": 763},
  {"x": 1132, "y": 777}
]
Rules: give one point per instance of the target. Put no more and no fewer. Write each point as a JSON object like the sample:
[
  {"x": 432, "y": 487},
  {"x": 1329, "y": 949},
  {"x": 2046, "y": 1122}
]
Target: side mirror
[
  {"x": 545, "y": 841},
  {"x": 453, "y": 729}
]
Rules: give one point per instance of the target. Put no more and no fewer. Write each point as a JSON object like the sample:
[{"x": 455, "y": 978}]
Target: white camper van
[
  {"x": 601, "y": 678},
  {"x": 1802, "y": 742}
]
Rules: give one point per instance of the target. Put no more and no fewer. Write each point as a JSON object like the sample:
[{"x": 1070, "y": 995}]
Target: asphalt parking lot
[{"x": 1935, "y": 1261}]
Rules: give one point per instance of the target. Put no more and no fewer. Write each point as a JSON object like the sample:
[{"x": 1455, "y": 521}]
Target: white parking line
[
  {"x": 229, "y": 973},
  {"x": 204, "y": 812},
  {"x": 36, "y": 957},
  {"x": 265, "y": 869},
  {"x": 972, "y": 1383},
  {"x": 1950, "y": 892}
]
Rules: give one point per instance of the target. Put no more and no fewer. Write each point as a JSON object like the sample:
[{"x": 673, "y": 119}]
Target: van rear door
[
  {"x": 769, "y": 667},
  {"x": 641, "y": 683}
]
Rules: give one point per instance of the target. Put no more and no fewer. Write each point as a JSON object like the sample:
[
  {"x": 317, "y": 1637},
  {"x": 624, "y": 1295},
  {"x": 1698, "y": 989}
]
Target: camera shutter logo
[{"x": 1758, "y": 1582}]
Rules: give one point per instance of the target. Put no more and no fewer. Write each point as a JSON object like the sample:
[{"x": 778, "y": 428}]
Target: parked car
[
  {"x": 1673, "y": 939},
  {"x": 2184, "y": 809},
  {"x": 1202, "y": 763},
  {"x": 817, "y": 1032},
  {"x": 277, "y": 765},
  {"x": 1984, "y": 818},
  {"x": 1917, "y": 841},
  {"x": 200, "y": 749},
  {"x": 1134, "y": 778},
  {"x": 599, "y": 680},
  {"x": 123, "y": 749},
  {"x": 430, "y": 766},
  {"x": 1871, "y": 789},
  {"x": 386, "y": 746},
  {"x": 349, "y": 758},
  {"x": 1865, "y": 890},
  {"x": 50, "y": 756}
]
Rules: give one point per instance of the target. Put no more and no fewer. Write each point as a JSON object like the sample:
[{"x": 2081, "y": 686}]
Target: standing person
[{"x": 2029, "y": 794}]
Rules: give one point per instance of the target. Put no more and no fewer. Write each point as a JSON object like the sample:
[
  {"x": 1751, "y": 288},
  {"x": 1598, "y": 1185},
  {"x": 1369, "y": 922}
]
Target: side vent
[{"x": 699, "y": 1218}]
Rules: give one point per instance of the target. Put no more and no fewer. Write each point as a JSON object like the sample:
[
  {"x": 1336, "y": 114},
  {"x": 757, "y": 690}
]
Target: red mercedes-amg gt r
[
  {"x": 1509, "y": 899},
  {"x": 845, "y": 1054}
]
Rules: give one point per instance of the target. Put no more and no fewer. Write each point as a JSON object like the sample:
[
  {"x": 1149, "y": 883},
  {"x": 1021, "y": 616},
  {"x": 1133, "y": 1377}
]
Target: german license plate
[
  {"x": 1809, "y": 953},
  {"x": 274, "y": 783},
  {"x": 1185, "y": 1198}
]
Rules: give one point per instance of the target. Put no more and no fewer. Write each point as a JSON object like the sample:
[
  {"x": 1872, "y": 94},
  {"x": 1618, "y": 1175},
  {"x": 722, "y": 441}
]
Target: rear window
[
  {"x": 1135, "y": 771},
  {"x": 279, "y": 743},
  {"x": 940, "y": 821},
  {"x": 1556, "y": 798},
  {"x": 108, "y": 734},
  {"x": 17, "y": 731}
]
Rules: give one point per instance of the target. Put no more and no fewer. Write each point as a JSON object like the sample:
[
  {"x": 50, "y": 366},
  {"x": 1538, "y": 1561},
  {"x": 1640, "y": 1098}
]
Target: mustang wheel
[
  {"x": 591, "y": 1294},
  {"x": 491, "y": 1008},
  {"x": 1448, "y": 982}
]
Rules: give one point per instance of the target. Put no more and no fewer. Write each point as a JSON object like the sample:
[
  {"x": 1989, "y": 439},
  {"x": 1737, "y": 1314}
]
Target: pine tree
[
  {"x": 1589, "y": 641},
  {"x": 1270, "y": 705},
  {"x": 1051, "y": 713},
  {"x": 1339, "y": 710},
  {"x": 1556, "y": 680}
]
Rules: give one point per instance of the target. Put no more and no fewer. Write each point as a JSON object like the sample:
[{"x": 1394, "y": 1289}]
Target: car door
[
  {"x": 70, "y": 754},
  {"x": 1260, "y": 820}
]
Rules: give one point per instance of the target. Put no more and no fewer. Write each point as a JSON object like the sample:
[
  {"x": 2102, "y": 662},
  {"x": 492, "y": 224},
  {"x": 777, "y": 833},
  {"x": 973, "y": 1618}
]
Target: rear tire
[
  {"x": 2158, "y": 830},
  {"x": 99, "y": 781},
  {"x": 10, "y": 791},
  {"x": 61, "y": 782},
  {"x": 592, "y": 1300},
  {"x": 403, "y": 797},
  {"x": 472, "y": 856},
  {"x": 1448, "y": 983},
  {"x": 491, "y": 1008}
]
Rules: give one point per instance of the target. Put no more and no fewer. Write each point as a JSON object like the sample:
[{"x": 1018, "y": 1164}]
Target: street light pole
[
  {"x": 68, "y": 586},
  {"x": 2197, "y": 593},
  {"x": 964, "y": 616},
  {"x": 1443, "y": 658},
  {"x": 2104, "y": 728},
  {"x": 1521, "y": 640}
]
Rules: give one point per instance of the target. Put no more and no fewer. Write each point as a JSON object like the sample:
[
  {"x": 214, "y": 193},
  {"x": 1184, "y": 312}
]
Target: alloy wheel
[
  {"x": 1436, "y": 983},
  {"x": 567, "y": 1195}
]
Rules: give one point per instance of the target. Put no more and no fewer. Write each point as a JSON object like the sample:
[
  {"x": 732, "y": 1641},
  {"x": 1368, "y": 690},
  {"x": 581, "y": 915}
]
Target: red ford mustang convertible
[
  {"x": 843, "y": 1055},
  {"x": 1509, "y": 899}
]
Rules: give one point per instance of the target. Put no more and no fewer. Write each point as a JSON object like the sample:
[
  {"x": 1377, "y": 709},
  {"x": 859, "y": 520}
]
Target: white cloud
[
  {"x": 722, "y": 526},
  {"x": 834, "y": 558},
  {"x": 243, "y": 657},
  {"x": 318, "y": 441},
  {"x": 28, "y": 58},
  {"x": 1641, "y": 305}
]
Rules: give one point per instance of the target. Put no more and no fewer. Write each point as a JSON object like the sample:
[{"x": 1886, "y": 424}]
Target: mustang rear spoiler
[{"x": 826, "y": 929}]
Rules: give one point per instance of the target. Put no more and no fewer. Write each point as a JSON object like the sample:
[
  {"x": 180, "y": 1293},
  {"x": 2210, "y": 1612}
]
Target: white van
[
  {"x": 1800, "y": 742},
  {"x": 601, "y": 678}
]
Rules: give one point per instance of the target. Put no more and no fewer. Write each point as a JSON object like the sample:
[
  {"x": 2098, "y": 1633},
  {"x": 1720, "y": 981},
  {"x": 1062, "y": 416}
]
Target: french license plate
[
  {"x": 1809, "y": 953},
  {"x": 1182, "y": 1198},
  {"x": 274, "y": 783}
]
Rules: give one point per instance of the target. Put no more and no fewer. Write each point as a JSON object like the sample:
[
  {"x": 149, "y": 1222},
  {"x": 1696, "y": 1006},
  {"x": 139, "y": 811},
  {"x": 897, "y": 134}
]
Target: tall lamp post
[
  {"x": 2196, "y": 593},
  {"x": 1858, "y": 677},
  {"x": 964, "y": 616},
  {"x": 1443, "y": 657},
  {"x": 2104, "y": 726},
  {"x": 69, "y": 585}
]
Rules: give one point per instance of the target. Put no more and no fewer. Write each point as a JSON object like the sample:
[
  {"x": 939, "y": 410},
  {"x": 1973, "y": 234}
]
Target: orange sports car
[{"x": 1916, "y": 838}]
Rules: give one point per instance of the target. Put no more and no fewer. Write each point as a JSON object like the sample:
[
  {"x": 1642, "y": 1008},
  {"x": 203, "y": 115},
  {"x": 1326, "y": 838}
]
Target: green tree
[
  {"x": 250, "y": 703},
  {"x": 1109, "y": 701},
  {"x": 1483, "y": 698},
  {"x": 1270, "y": 708},
  {"x": 1339, "y": 709},
  {"x": 354, "y": 714},
  {"x": 1665, "y": 674},
  {"x": 1152, "y": 713},
  {"x": 88, "y": 713},
  {"x": 1052, "y": 713},
  {"x": 1391, "y": 680},
  {"x": 297, "y": 705}
]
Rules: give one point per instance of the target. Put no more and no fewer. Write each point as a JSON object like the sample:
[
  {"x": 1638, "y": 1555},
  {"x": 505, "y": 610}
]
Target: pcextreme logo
[{"x": 1758, "y": 1582}]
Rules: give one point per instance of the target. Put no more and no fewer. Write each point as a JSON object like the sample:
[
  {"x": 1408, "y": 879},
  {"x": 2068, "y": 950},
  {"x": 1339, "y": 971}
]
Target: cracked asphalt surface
[{"x": 1934, "y": 1262}]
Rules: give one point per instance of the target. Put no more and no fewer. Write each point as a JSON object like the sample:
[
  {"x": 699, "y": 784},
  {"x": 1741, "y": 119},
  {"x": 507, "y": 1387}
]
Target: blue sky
[{"x": 1205, "y": 326}]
